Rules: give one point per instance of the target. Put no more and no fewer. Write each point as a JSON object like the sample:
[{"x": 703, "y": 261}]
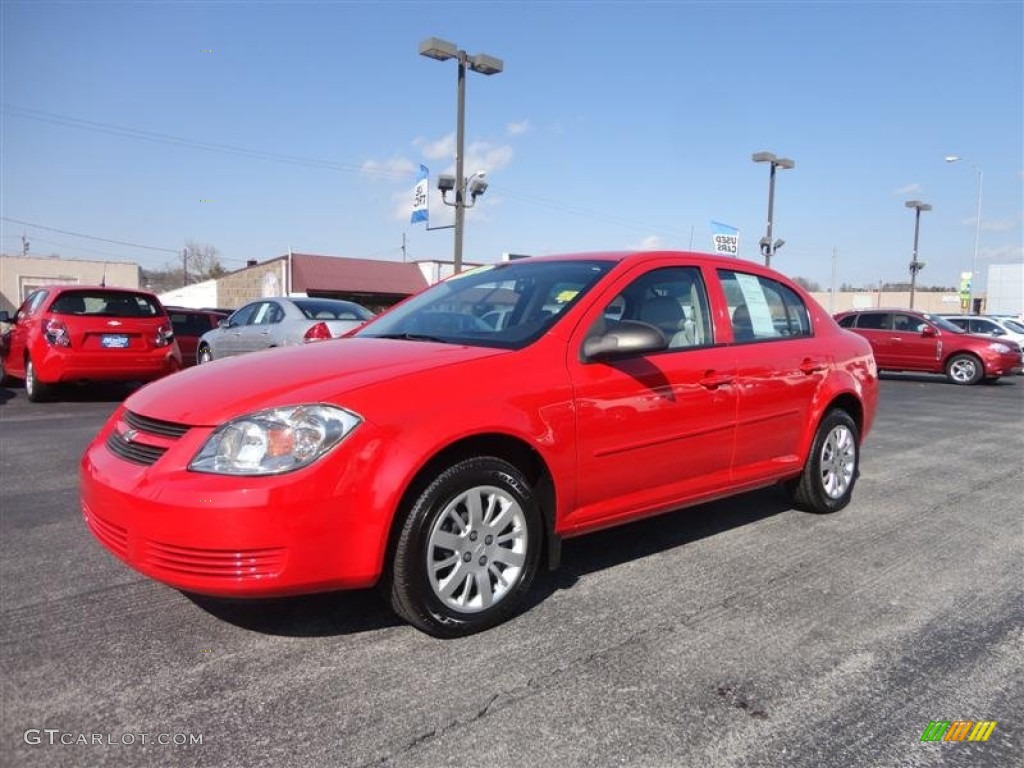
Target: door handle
[
  {"x": 895, "y": 338},
  {"x": 809, "y": 366},
  {"x": 711, "y": 381}
]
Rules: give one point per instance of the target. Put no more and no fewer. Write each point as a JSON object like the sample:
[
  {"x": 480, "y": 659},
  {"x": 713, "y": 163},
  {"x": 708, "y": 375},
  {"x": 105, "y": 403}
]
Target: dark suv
[{"x": 905, "y": 340}]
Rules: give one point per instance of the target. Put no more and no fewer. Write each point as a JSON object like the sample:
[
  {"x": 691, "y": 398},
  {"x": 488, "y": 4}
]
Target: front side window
[
  {"x": 761, "y": 308},
  {"x": 506, "y": 305},
  {"x": 672, "y": 299},
  {"x": 244, "y": 315}
]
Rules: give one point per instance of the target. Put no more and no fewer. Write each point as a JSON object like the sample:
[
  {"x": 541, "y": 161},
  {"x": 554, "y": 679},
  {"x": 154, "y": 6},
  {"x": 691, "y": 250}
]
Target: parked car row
[{"x": 74, "y": 333}]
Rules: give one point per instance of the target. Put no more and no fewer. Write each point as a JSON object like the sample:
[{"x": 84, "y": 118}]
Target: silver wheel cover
[
  {"x": 963, "y": 369},
  {"x": 477, "y": 549},
  {"x": 838, "y": 456}
]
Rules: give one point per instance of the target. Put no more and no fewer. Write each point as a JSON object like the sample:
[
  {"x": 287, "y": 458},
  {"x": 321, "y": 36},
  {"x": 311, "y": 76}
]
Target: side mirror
[
  {"x": 627, "y": 339},
  {"x": 929, "y": 332},
  {"x": 223, "y": 323}
]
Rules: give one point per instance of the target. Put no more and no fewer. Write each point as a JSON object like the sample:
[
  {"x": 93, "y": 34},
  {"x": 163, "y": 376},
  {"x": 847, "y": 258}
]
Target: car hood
[{"x": 212, "y": 393}]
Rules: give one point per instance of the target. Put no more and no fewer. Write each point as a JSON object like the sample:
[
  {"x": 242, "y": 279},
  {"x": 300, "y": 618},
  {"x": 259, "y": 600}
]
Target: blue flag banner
[
  {"x": 419, "y": 197},
  {"x": 725, "y": 240}
]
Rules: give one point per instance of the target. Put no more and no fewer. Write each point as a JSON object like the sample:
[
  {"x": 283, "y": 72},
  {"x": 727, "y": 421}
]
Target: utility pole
[
  {"x": 184, "y": 266},
  {"x": 24, "y": 245},
  {"x": 403, "y": 246}
]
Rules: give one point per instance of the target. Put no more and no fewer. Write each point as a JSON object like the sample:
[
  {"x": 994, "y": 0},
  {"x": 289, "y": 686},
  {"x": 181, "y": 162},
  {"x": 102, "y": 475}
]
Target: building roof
[{"x": 310, "y": 272}]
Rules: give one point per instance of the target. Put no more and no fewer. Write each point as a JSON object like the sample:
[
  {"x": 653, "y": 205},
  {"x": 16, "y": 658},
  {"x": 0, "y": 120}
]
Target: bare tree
[{"x": 203, "y": 261}]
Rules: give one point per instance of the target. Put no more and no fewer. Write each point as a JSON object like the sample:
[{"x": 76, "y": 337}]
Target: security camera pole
[
  {"x": 442, "y": 50},
  {"x": 915, "y": 265},
  {"x": 768, "y": 248}
]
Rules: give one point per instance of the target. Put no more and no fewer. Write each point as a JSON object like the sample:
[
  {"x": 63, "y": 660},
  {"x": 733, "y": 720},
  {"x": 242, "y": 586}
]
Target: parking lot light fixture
[
  {"x": 977, "y": 231},
  {"x": 768, "y": 246},
  {"x": 442, "y": 50},
  {"x": 915, "y": 265}
]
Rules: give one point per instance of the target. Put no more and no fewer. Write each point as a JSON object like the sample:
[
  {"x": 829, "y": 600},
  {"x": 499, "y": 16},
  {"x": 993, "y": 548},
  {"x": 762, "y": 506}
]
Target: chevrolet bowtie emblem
[
  {"x": 113, "y": 322},
  {"x": 129, "y": 435}
]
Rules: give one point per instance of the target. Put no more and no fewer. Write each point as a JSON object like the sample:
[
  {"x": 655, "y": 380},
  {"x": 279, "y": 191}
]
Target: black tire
[
  {"x": 964, "y": 369},
  {"x": 832, "y": 468},
  {"x": 472, "y": 569},
  {"x": 5, "y": 380},
  {"x": 204, "y": 355},
  {"x": 35, "y": 390}
]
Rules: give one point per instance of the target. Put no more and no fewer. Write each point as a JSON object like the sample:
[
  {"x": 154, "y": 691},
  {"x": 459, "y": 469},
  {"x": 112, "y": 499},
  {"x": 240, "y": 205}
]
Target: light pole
[
  {"x": 915, "y": 265},
  {"x": 768, "y": 248},
  {"x": 977, "y": 233},
  {"x": 442, "y": 50}
]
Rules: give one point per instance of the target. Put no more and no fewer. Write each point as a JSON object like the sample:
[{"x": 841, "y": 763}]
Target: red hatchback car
[
  {"x": 905, "y": 340},
  {"x": 73, "y": 333},
  {"x": 446, "y": 458}
]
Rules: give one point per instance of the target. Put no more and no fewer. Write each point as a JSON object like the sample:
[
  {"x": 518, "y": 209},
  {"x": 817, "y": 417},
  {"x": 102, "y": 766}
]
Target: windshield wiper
[{"x": 411, "y": 337}]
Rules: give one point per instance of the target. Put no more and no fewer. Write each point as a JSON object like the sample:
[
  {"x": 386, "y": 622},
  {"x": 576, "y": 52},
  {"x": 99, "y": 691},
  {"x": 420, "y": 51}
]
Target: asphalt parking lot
[{"x": 741, "y": 633}]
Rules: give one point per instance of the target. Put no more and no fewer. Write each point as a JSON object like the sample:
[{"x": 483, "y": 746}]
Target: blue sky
[{"x": 614, "y": 125}]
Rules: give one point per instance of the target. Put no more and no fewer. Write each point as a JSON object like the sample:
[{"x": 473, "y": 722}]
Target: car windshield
[
  {"x": 506, "y": 305},
  {"x": 1014, "y": 326},
  {"x": 943, "y": 324},
  {"x": 107, "y": 303}
]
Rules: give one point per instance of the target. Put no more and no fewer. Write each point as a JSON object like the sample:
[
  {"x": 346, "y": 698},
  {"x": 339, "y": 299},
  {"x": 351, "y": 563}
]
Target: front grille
[
  {"x": 126, "y": 443},
  {"x": 154, "y": 426},
  {"x": 113, "y": 536},
  {"x": 138, "y": 453},
  {"x": 216, "y": 563}
]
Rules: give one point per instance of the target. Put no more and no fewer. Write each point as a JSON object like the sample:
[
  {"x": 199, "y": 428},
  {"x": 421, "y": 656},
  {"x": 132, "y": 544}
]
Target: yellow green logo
[{"x": 958, "y": 730}]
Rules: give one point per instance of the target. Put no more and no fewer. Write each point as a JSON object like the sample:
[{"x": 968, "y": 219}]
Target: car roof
[{"x": 80, "y": 287}]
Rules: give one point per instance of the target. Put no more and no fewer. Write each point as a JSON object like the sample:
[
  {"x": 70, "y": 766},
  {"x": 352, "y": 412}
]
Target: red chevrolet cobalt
[{"x": 445, "y": 457}]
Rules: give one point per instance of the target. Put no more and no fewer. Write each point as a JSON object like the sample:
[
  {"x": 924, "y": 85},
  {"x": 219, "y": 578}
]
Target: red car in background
[
  {"x": 905, "y": 340},
  {"x": 74, "y": 333},
  {"x": 446, "y": 458},
  {"x": 189, "y": 325}
]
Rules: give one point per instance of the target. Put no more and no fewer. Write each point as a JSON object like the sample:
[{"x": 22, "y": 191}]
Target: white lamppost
[{"x": 977, "y": 231}]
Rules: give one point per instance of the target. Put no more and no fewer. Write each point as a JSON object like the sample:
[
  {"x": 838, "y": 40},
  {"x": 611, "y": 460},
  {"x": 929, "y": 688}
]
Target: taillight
[
  {"x": 57, "y": 333},
  {"x": 164, "y": 335},
  {"x": 317, "y": 332}
]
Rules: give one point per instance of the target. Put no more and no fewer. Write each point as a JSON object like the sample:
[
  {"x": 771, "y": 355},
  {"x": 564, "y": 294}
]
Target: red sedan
[
  {"x": 73, "y": 333},
  {"x": 446, "y": 458}
]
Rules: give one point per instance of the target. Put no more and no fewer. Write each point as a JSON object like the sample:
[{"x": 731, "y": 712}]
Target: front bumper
[{"x": 320, "y": 528}]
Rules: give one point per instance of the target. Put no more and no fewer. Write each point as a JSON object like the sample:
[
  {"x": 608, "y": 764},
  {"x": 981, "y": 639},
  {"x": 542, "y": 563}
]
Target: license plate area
[{"x": 114, "y": 341}]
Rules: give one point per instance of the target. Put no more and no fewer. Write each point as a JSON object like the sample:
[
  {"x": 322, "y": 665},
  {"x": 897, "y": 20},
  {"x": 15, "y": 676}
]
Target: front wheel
[
  {"x": 468, "y": 549},
  {"x": 964, "y": 369},
  {"x": 35, "y": 390},
  {"x": 205, "y": 355},
  {"x": 833, "y": 464}
]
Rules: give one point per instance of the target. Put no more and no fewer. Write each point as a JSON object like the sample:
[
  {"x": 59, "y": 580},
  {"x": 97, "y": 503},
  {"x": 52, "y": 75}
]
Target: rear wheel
[
  {"x": 833, "y": 464},
  {"x": 964, "y": 369},
  {"x": 35, "y": 390},
  {"x": 205, "y": 355},
  {"x": 467, "y": 550},
  {"x": 4, "y": 378}
]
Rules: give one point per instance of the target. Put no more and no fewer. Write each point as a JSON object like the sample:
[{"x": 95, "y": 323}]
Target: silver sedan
[{"x": 280, "y": 322}]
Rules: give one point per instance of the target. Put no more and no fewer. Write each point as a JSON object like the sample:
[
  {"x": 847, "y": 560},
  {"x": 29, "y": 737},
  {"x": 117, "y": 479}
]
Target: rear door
[
  {"x": 780, "y": 367},
  {"x": 876, "y": 327}
]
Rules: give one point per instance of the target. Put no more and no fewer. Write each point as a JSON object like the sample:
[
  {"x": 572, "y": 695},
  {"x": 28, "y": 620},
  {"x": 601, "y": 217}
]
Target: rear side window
[
  {"x": 875, "y": 321},
  {"x": 848, "y": 321},
  {"x": 106, "y": 303},
  {"x": 189, "y": 324},
  {"x": 761, "y": 308}
]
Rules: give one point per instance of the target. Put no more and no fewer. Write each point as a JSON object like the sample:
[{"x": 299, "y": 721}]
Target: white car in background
[
  {"x": 280, "y": 322},
  {"x": 988, "y": 325}
]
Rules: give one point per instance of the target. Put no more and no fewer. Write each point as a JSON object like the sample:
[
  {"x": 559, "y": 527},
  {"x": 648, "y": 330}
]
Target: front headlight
[
  {"x": 274, "y": 441},
  {"x": 1002, "y": 349}
]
